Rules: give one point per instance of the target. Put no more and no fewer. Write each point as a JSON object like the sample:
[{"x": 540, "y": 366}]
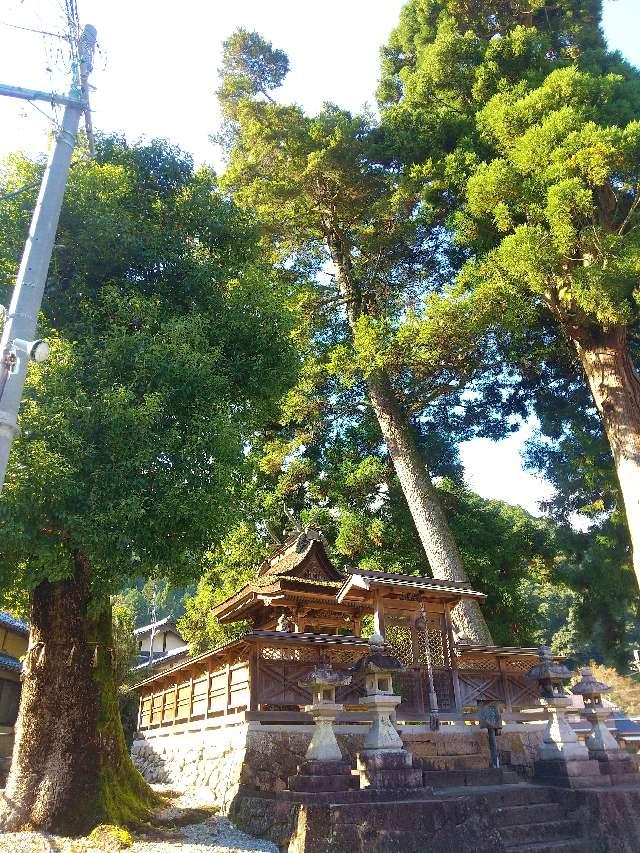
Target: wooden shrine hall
[{"x": 301, "y": 611}]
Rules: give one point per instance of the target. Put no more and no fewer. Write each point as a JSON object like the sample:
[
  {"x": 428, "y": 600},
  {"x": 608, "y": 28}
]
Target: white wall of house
[{"x": 163, "y": 641}]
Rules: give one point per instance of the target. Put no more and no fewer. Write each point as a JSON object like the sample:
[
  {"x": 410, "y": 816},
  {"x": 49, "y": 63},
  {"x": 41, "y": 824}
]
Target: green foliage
[
  {"x": 169, "y": 340},
  {"x": 224, "y": 571},
  {"x": 125, "y": 647},
  {"x": 250, "y": 67},
  {"x": 332, "y": 205}
]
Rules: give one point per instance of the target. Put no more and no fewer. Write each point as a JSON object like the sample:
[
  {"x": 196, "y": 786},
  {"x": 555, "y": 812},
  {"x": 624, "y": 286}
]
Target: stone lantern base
[
  {"x": 562, "y": 759},
  {"x": 570, "y": 774},
  {"x": 323, "y": 776},
  {"x": 390, "y": 770},
  {"x": 384, "y": 762},
  {"x": 618, "y": 766}
]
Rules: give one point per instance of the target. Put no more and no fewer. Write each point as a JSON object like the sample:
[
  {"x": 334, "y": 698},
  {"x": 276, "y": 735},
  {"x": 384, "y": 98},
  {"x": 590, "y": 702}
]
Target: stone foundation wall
[{"x": 262, "y": 758}]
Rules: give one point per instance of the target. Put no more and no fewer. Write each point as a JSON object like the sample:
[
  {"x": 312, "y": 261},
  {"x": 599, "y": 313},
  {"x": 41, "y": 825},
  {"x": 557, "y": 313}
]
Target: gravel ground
[{"x": 173, "y": 832}]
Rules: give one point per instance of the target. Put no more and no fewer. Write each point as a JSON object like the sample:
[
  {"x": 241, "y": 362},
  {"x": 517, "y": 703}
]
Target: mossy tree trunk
[{"x": 70, "y": 769}]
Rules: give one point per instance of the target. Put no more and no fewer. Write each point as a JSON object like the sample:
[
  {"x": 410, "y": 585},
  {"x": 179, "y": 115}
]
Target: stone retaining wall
[{"x": 263, "y": 758}]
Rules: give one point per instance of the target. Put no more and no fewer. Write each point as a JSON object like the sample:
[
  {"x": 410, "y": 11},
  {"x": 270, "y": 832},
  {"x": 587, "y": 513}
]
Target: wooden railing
[{"x": 259, "y": 677}]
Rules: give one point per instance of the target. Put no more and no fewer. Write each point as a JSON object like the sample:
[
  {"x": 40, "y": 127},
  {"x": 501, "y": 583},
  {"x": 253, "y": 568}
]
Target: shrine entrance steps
[
  {"x": 531, "y": 819},
  {"x": 502, "y": 818},
  {"x": 516, "y": 818}
]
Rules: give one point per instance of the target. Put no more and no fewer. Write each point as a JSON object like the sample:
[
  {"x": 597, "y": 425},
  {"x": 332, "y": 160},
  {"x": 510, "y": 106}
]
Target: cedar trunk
[
  {"x": 615, "y": 387},
  {"x": 397, "y": 431},
  {"x": 70, "y": 769},
  {"x": 424, "y": 504}
]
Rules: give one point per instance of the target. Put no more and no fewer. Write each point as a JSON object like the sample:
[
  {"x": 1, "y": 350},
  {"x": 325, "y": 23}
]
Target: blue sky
[{"x": 155, "y": 76}]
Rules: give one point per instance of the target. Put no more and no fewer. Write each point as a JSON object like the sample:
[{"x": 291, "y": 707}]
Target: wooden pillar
[
  {"x": 140, "y": 707},
  {"x": 378, "y": 612},
  {"x": 175, "y": 703},
  {"x": 190, "y": 697},
  {"x": 163, "y": 705},
  {"x": 208, "y": 698},
  {"x": 453, "y": 660},
  {"x": 227, "y": 669},
  {"x": 254, "y": 678},
  {"x": 505, "y": 685}
]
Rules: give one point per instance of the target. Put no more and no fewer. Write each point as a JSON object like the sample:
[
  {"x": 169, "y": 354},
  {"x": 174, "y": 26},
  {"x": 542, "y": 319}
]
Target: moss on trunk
[
  {"x": 124, "y": 795},
  {"x": 70, "y": 769}
]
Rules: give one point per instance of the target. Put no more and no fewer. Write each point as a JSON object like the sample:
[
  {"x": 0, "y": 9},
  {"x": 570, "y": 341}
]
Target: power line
[{"x": 34, "y": 30}]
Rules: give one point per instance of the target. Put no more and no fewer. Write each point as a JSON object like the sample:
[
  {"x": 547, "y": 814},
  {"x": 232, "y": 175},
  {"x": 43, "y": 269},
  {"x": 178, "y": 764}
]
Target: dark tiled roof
[
  {"x": 624, "y": 725},
  {"x": 168, "y": 623},
  {"x": 8, "y": 662},
  {"x": 17, "y": 625},
  {"x": 398, "y": 578},
  {"x": 158, "y": 657}
]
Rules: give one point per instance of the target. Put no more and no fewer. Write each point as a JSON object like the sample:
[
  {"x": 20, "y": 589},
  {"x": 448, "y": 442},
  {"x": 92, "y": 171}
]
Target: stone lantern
[
  {"x": 383, "y": 763},
  {"x": 562, "y": 759},
  {"x": 323, "y": 681},
  {"x": 551, "y": 676},
  {"x": 378, "y": 668},
  {"x": 601, "y": 743},
  {"x": 323, "y": 768}
]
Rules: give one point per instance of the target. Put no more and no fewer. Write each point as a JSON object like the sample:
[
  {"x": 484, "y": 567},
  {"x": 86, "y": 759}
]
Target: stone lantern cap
[
  {"x": 377, "y": 661},
  {"x": 325, "y": 676},
  {"x": 549, "y": 670},
  {"x": 588, "y": 686}
]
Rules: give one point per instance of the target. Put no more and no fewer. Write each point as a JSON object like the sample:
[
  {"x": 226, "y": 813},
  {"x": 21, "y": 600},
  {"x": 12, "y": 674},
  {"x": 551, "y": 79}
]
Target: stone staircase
[
  {"x": 530, "y": 819},
  {"x": 518, "y": 818}
]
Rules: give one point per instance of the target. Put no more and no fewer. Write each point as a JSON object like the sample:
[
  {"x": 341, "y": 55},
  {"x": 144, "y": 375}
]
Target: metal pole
[
  {"x": 16, "y": 345},
  {"x": 422, "y": 623}
]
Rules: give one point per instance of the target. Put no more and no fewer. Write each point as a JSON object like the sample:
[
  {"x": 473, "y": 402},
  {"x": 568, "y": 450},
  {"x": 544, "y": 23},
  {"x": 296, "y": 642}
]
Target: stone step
[
  {"x": 325, "y": 782},
  {"x": 516, "y": 795},
  {"x": 552, "y": 830},
  {"x": 355, "y": 795},
  {"x": 458, "y": 778},
  {"x": 527, "y": 813},
  {"x": 401, "y": 817},
  {"x": 478, "y": 761},
  {"x": 563, "y": 846}
]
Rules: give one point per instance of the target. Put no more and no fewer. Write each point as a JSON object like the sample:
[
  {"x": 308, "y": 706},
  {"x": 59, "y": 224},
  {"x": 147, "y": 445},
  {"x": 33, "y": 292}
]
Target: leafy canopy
[{"x": 169, "y": 340}]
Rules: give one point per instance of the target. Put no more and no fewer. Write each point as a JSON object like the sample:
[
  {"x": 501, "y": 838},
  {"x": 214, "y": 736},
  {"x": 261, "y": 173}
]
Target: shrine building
[{"x": 301, "y": 611}]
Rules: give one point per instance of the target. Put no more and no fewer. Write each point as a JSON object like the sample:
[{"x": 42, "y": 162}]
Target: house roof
[
  {"x": 168, "y": 623},
  {"x": 359, "y": 583},
  {"x": 12, "y": 624},
  {"x": 299, "y": 564},
  {"x": 161, "y": 657},
  {"x": 9, "y": 662}
]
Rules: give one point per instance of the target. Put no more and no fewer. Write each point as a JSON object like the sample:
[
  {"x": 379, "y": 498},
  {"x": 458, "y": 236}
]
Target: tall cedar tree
[
  {"x": 169, "y": 343},
  {"x": 526, "y": 133},
  {"x": 330, "y": 204}
]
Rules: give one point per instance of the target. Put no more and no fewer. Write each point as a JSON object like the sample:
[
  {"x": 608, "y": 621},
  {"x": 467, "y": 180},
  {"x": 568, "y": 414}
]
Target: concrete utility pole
[{"x": 17, "y": 345}]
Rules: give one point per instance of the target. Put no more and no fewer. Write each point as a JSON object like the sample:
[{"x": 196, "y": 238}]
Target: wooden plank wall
[{"x": 197, "y": 695}]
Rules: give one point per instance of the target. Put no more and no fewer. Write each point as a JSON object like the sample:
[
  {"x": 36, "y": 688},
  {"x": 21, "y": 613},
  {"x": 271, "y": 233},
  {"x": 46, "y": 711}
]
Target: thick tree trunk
[
  {"x": 615, "y": 387},
  {"x": 397, "y": 431},
  {"x": 70, "y": 769},
  {"x": 424, "y": 505}
]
